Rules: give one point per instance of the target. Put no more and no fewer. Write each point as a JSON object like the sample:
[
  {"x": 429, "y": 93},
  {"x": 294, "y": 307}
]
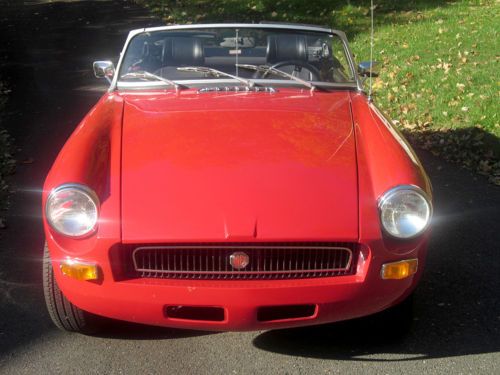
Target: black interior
[
  {"x": 286, "y": 47},
  {"x": 304, "y": 56},
  {"x": 179, "y": 51}
]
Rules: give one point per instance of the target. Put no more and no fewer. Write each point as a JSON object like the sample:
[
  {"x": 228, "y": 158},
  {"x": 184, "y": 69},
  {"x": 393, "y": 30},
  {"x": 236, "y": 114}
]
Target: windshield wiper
[
  {"x": 269, "y": 69},
  {"x": 216, "y": 73},
  {"x": 147, "y": 75}
]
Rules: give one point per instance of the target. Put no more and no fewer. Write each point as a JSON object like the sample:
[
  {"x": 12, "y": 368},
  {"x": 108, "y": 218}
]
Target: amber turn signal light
[
  {"x": 399, "y": 270},
  {"x": 80, "y": 271}
]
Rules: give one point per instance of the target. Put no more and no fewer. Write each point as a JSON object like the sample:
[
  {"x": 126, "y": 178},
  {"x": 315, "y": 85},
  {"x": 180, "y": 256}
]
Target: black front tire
[{"x": 65, "y": 315}]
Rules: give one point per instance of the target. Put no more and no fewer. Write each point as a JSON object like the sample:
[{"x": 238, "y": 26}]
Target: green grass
[
  {"x": 439, "y": 77},
  {"x": 441, "y": 68},
  {"x": 439, "y": 80}
]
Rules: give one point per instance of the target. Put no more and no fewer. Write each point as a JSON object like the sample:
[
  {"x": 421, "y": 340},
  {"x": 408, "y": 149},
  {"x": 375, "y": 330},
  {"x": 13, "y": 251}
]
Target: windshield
[{"x": 251, "y": 54}]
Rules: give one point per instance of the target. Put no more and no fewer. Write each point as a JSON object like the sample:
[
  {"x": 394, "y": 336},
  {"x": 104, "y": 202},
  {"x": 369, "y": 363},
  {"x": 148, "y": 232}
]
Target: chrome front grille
[{"x": 266, "y": 261}]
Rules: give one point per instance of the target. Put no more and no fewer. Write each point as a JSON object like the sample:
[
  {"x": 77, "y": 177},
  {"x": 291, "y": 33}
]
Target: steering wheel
[{"x": 298, "y": 66}]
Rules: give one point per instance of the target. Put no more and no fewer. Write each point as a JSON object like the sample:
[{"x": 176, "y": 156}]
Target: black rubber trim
[
  {"x": 270, "y": 313},
  {"x": 202, "y": 313}
]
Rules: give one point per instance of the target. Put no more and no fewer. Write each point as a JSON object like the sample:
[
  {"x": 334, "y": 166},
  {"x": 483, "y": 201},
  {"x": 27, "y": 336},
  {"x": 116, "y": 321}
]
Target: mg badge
[{"x": 239, "y": 260}]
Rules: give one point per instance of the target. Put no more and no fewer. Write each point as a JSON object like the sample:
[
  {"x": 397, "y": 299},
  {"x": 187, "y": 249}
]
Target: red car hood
[{"x": 238, "y": 166}]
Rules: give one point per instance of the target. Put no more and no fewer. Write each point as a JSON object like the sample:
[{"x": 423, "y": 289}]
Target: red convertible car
[{"x": 233, "y": 177}]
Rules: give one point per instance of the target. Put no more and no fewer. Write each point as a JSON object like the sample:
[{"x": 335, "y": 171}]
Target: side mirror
[
  {"x": 368, "y": 68},
  {"x": 104, "y": 69}
]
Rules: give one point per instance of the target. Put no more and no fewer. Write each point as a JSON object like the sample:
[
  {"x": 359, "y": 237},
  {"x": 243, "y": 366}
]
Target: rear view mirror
[
  {"x": 104, "y": 69},
  {"x": 368, "y": 68}
]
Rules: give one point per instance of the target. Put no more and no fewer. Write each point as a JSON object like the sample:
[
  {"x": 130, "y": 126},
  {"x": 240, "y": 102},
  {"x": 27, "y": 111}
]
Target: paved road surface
[{"x": 47, "y": 49}]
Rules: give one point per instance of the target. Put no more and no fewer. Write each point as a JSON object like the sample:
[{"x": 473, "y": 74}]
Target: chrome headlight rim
[
  {"x": 82, "y": 189},
  {"x": 389, "y": 193}
]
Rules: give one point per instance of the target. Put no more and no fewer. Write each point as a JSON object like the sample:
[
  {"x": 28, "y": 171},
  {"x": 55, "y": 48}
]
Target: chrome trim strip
[
  {"x": 229, "y": 247},
  {"x": 240, "y": 272},
  {"x": 121, "y": 85},
  {"x": 238, "y": 89},
  {"x": 238, "y": 26}
]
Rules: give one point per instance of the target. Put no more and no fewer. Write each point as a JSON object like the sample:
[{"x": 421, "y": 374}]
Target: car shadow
[
  {"x": 457, "y": 302},
  {"x": 132, "y": 331}
]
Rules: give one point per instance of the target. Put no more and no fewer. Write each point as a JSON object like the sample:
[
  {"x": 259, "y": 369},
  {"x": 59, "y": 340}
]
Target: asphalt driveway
[{"x": 46, "y": 51}]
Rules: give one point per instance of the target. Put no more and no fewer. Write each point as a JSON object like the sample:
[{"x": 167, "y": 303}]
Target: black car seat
[
  {"x": 290, "y": 53},
  {"x": 181, "y": 51},
  {"x": 286, "y": 47}
]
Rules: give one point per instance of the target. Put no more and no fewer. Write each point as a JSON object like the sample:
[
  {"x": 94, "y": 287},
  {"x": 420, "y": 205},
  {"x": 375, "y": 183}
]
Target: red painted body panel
[
  {"x": 189, "y": 167},
  {"x": 92, "y": 157},
  {"x": 385, "y": 160},
  {"x": 213, "y": 167}
]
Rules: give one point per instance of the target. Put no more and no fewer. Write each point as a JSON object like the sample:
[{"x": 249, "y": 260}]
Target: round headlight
[
  {"x": 72, "y": 210},
  {"x": 405, "y": 211}
]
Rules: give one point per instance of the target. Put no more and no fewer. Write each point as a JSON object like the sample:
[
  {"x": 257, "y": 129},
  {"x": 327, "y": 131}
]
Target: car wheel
[{"x": 63, "y": 313}]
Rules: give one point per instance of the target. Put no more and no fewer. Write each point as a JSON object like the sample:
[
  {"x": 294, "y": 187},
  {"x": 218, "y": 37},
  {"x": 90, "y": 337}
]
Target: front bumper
[{"x": 145, "y": 300}]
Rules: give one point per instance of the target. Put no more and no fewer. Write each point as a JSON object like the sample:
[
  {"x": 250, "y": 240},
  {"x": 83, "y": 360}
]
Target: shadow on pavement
[
  {"x": 457, "y": 303},
  {"x": 131, "y": 331},
  {"x": 46, "y": 54}
]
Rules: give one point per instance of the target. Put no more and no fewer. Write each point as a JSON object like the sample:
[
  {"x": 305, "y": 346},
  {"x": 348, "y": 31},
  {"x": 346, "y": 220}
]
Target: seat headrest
[
  {"x": 180, "y": 50},
  {"x": 283, "y": 47}
]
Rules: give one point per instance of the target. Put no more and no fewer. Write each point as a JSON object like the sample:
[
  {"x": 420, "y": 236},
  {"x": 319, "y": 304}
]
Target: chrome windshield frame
[{"x": 352, "y": 65}]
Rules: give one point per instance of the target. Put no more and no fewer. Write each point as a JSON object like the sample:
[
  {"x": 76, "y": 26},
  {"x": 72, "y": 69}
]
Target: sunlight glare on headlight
[
  {"x": 405, "y": 211},
  {"x": 72, "y": 210}
]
